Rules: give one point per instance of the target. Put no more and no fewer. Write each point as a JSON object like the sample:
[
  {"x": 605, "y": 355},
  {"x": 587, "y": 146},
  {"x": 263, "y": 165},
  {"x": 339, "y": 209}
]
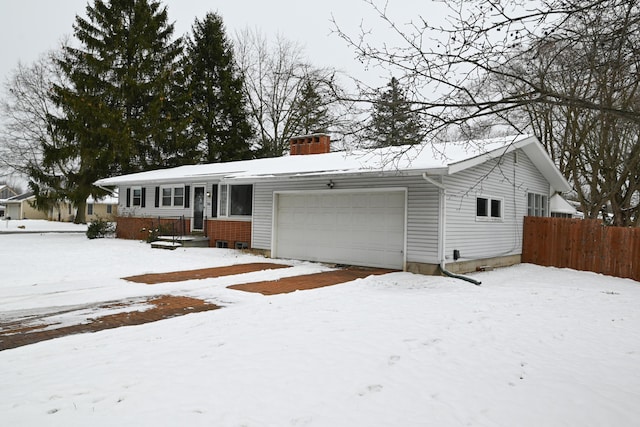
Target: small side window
[
  {"x": 482, "y": 206},
  {"x": 488, "y": 209}
]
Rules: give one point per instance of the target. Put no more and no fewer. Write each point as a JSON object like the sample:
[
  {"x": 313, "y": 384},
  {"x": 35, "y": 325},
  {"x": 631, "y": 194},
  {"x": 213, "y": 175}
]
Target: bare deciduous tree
[
  {"x": 26, "y": 107},
  {"x": 569, "y": 67},
  {"x": 277, "y": 79}
]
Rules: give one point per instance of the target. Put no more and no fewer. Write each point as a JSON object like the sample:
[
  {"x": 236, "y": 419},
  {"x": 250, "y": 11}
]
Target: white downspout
[
  {"x": 442, "y": 224},
  {"x": 442, "y": 193}
]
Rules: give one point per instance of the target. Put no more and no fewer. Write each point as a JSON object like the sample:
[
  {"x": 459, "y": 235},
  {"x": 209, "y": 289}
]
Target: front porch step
[
  {"x": 160, "y": 244},
  {"x": 183, "y": 241}
]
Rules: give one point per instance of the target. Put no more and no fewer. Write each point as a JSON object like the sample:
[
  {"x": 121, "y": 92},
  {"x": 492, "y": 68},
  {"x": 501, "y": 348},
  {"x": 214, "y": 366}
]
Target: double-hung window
[
  {"x": 488, "y": 208},
  {"x": 536, "y": 204},
  {"x": 136, "y": 196},
  {"x": 172, "y": 196},
  {"x": 235, "y": 200}
]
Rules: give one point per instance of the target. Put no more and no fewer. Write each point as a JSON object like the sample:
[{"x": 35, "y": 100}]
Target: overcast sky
[{"x": 29, "y": 28}]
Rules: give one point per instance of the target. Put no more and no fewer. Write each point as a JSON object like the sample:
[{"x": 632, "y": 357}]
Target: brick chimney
[{"x": 318, "y": 143}]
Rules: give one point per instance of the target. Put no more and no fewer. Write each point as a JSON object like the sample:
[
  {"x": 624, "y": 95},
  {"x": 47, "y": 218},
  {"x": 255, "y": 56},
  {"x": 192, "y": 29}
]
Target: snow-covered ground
[
  {"x": 38, "y": 226},
  {"x": 532, "y": 346}
]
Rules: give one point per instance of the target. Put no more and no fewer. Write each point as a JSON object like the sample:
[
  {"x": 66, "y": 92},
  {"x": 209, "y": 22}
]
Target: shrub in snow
[{"x": 99, "y": 228}]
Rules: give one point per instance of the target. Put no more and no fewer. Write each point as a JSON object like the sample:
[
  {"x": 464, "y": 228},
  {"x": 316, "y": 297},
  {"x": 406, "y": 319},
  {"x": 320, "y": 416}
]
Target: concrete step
[
  {"x": 160, "y": 244},
  {"x": 185, "y": 241}
]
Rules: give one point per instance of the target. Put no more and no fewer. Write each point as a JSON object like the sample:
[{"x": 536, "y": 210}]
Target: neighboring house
[
  {"x": 411, "y": 207},
  {"x": 105, "y": 208},
  {"x": 21, "y": 207},
  {"x": 62, "y": 211},
  {"x": 6, "y": 192}
]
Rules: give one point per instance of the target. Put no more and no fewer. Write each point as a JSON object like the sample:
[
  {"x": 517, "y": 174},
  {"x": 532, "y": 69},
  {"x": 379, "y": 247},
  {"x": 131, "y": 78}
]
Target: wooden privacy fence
[{"x": 582, "y": 245}]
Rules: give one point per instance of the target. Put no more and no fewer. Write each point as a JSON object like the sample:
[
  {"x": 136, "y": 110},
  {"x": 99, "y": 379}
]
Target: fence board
[{"x": 582, "y": 245}]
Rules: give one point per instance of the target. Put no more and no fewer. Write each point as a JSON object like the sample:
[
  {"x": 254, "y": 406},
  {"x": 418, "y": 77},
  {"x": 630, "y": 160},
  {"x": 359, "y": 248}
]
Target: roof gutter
[{"x": 442, "y": 222}]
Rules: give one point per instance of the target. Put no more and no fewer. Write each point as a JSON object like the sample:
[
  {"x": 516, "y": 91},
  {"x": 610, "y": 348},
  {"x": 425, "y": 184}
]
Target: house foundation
[{"x": 462, "y": 266}]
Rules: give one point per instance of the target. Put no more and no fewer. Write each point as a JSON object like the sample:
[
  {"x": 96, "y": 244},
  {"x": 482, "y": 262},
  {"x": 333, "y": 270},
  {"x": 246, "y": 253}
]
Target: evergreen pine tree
[
  {"x": 393, "y": 122},
  {"x": 220, "y": 120},
  {"x": 119, "y": 111},
  {"x": 311, "y": 110}
]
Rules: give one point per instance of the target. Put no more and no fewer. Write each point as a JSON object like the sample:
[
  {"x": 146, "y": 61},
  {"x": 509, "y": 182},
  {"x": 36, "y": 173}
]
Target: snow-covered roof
[
  {"x": 20, "y": 197},
  {"x": 440, "y": 158},
  {"x": 109, "y": 199},
  {"x": 558, "y": 204}
]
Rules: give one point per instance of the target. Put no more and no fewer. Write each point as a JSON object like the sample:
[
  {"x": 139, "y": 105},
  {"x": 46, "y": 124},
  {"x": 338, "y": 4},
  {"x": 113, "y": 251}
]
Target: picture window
[{"x": 236, "y": 200}]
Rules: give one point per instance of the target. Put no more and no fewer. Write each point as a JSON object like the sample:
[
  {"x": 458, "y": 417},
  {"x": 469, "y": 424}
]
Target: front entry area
[
  {"x": 354, "y": 227},
  {"x": 198, "y": 208}
]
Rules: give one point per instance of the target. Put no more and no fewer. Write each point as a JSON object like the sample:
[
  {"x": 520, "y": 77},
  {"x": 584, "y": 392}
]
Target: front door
[{"x": 198, "y": 208}]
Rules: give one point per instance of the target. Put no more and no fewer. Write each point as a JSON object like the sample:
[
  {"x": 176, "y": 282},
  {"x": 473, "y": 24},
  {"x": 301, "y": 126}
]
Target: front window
[
  {"x": 166, "y": 197},
  {"x": 241, "y": 200},
  {"x": 136, "y": 197},
  {"x": 89, "y": 208},
  {"x": 236, "y": 200},
  {"x": 172, "y": 196},
  {"x": 178, "y": 196},
  {"x": 223, "y": 200},
  {"x": 488, "y": 209},
  {"x": 536, "y": 204}
]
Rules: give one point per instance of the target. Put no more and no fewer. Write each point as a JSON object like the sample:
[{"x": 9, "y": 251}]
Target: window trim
[
  {"x": 490, "y": 216},
  {"x": 225, "y": 200}
]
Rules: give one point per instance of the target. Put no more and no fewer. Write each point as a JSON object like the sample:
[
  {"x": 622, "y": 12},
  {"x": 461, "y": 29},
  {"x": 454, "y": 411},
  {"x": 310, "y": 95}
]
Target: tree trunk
[{"x": 81, "y": 209}]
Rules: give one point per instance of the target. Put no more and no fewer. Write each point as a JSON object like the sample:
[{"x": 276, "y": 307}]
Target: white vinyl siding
[
  {"x": 496, "y": 179},
  {"x": 175, "y": 210},
  {"x": 422, "y": 209}
]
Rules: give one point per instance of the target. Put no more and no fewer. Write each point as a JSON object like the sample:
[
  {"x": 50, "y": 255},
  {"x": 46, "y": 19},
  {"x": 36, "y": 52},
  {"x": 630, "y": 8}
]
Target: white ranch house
[{"x": 413, "y": 208}]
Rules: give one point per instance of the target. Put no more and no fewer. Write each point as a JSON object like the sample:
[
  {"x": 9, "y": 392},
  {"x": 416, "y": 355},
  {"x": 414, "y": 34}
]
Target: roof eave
[{"x": 536, "y": 153}]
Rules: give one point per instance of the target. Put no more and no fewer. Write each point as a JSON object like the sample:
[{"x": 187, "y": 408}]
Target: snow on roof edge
[{"x": 387, "y": 160}]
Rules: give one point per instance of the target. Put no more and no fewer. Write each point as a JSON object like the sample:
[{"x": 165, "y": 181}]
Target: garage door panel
[{"x": 360, "y": 228}]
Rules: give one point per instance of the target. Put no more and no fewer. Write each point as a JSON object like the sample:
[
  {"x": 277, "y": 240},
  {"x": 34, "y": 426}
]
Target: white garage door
[{"x": 357, "y": 228}]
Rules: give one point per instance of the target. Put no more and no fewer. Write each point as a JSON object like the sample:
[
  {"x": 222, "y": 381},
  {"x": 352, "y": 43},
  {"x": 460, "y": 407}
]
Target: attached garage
[{"x": 356, "y": 227}]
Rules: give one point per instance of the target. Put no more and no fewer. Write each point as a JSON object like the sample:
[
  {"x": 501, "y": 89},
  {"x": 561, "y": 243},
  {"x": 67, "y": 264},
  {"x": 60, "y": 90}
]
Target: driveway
[{"x": 22, "y": 328}]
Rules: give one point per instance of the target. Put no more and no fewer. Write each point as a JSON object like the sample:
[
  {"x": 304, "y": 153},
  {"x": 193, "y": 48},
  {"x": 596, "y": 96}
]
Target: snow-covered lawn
[
  {"x": 532, "y": 346},
  {"x": 38, "y": 226}
]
